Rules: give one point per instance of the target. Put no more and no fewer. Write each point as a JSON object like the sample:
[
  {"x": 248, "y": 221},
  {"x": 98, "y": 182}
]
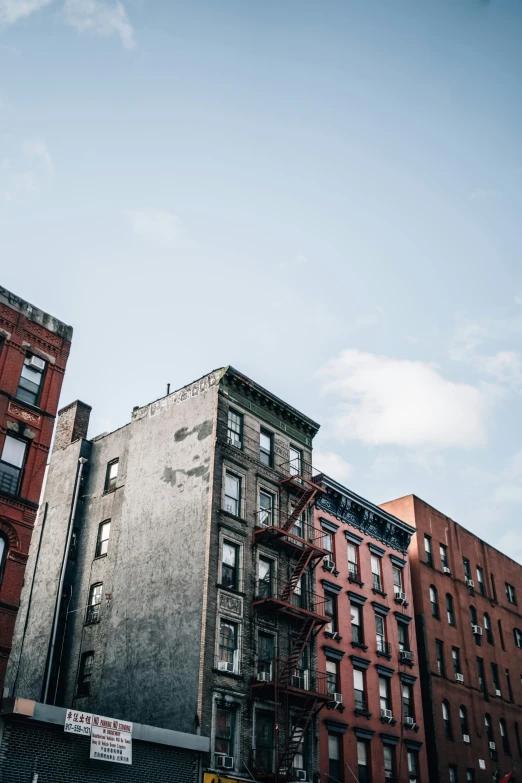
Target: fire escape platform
[
  {"x": 278, "y": 536},
  {"x": 297, "y": 697},
  {"x": 297, "y": 612}
]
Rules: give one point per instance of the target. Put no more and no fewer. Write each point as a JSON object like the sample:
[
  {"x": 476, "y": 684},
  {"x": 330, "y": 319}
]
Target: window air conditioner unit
[
  {"x": 466, "y": 739},
  {"x": 446, "y": 570},
  {"x": 335, "y": 634},
  {"x": 225, "y": 762},
  {"x": 470, "y": 583},
  {"x": 263, "y": 676},
  {"x": 387, "y": 715},
  {"x": 338, "y": 698},
  {"x": 492, "y": 746},
  {"x": 406, "y": 655},
  {"x": 410, "y": 723},
  {"x": 477, "y": 630},
  {"x": 225, "y": 666},
  {"x": 400, "y": 596},
  {"x": 328, "y": 564},
  {"x": 35, "y": 362},
  {"x": 459, "y": 677},
  {"x": 497, "y": 692}
]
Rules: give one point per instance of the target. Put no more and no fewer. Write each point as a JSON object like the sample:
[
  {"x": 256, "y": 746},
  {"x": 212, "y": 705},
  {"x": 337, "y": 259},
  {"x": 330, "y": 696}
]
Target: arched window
[
  {"x": 489, "y": 728},
  {"x": 434, "y": 602},
  {"x": 4, "y": 547},
  {"x": 504, "y": 736},
  {"x": 446, "y": 717},
  {"x": 463, "y": 714},
  {"x": 517, "y": 634},
  {"x": 487, "y": 626},
  {"x": 449, "y": 609}
]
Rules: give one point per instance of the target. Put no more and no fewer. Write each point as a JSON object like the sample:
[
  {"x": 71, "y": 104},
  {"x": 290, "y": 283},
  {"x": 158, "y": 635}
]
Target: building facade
[
  {"x": 469, "y": 631},
  {"x": 173, "y": 578},
  {"x": 34, "y": 348},
  {"x": 372, "y": 729}
]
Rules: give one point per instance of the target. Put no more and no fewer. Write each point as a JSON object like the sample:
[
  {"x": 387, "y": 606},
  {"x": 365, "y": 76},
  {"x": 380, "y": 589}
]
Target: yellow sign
[{"x": 212, "y": 777}]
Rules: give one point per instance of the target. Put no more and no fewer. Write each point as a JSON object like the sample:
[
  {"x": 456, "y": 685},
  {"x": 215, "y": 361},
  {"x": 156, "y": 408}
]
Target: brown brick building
[
  {"x": 469, "y": 634},
  {"x": 373, "y": 728},
  {"x": 34, "y": 348}
]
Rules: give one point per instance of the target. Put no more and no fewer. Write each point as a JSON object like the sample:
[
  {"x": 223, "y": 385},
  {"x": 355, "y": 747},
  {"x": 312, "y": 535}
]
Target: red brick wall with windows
[
  {"x": 495, "y": 616},
  {"x": 356, "y": 586},
  {"x": 24, "y": 332}
]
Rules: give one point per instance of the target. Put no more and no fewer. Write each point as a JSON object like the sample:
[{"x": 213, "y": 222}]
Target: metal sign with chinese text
[
  {"x": 111, "y": 740},
  {"x": 78, "y": 722}
]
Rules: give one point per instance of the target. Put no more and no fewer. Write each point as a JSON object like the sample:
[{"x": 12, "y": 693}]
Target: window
[
  {"x": 353, "y": 563},
  {"x": 363, "y": 765},
  {"x": 501, "y": 635},
  {"x": 397, "y": 580},
  {"x": 297, "y": 597},
  {"x": 264, "y": 588},
  {"x": 85, "y": 674},
  {"x": 489, "y": 728},
  {"x": 487, "y": 626},
  {"x": 235, "y": 429},
  {"x": 402, "y": 633},
  {"x": 232, "y": 494},
  {"x": 510, "y": 593},
  {"x": 30, "y": 384},
  {"x": 94, "y": 604},
  {"x": 449, "y": 609},
  {"x": 102, "y": 542},
  {"x": 296, "y": 459},
  {"x": 265, "y": 653},
  {"x": 495, "y": 678},
  {"x": 439, "y": 652},
  {"x": 384, "y": 694},
  {"x": 332, "y": 676},
  {"x": 455, "y": 654},
  {"x": 264, "y": 738},
  {"x": 225, "y": 726},
  {"x": 266, "y": 508},
  {"x": 427, "y": 549},
  {"x": 470, "y": 776},
  {"x": 480, "y": 581},
  {"x": 413, "y": 766},
  {"x": 330, "y": 610},
  {"x": 481, "y": 675},
  {"x": 376, "y": 573},
  {"x": 510, "y": 690},
  {"x": 359, "y": 690},
  {"x": 328, "y": 543},
  {"x": 443, "y": 556},
  {"x": 111, "y": 475},
  {"x": 446, "y": 717},
  {"x": 297, "y": 528},
  {"x": 518, "y": 637},
  {"x": 493, "y": 588},
  {"x": 357, "y": 627},
  {"x": 463, "y": 715},
  {"x": 452, "y": 770},
  {"x": 230, "y": 565},
  {"x": 434, "y": 602},
  {"x": 474, "y": 622},
  {"x": 334, "y": 758},
  {"x": 380, "y": 633},
  {"x": 467, "y": 568},
  {"x": 389, "y": 764},
  {"x": 299, "y": 758},
  {"x": 11, "y": 465},
  {"x": 266, "y": 448},
  {"x": 408, "y": 705},
  {"x": 517, "y": 735},
  {"x": 228, "y": 650},
  {"x": 4, "y": 548}
]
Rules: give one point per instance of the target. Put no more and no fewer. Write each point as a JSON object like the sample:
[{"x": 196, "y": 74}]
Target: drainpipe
[{"x": 81, "y": 463}]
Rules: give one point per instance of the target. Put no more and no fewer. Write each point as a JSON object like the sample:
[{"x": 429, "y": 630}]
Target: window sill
[
  {"x": 381, "y": 654},
  {"x": 363, "y": 713},
  {"x": 360, "y": 646},
  {"x": 227, "y": 674},
  {"x": 414, "y": 728},
  {"x": 335, "y": 637},
  {"x": 376, "y": 591},
  {"x": 91, "y": 622},
  {"x": 111, "y": 490},
  {"x": 332, "y": 571},
  {"x": 229, "y": 515},
  {"x": 99, "y": 557},
  {"x": 392, "y": 722},
  {"x": 353, "y": 581},
  {"x": 230, "y": 590}
]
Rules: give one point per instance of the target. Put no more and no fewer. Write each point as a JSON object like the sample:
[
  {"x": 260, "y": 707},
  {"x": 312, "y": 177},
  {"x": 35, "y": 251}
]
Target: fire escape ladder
[
  {"x": 295, "y": 740},
  {"x": 303, "y": 503},
  {"x": 295, "y": 576},
  {"x": 292, "y": 662}
]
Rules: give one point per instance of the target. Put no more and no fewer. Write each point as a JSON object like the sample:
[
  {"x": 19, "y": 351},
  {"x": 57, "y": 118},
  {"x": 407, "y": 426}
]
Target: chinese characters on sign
[
  {"x": 78, "y": 722},
  {"x": 111, "y": 740}
]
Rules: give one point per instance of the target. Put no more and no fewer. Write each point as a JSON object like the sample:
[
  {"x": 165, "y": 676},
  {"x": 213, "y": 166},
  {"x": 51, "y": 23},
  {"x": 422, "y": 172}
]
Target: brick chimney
[{"x": 72, "y": 424}]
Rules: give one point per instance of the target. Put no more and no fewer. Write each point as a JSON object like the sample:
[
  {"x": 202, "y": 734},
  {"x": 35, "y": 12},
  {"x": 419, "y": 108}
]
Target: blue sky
[{"x": 325, "y": 195}]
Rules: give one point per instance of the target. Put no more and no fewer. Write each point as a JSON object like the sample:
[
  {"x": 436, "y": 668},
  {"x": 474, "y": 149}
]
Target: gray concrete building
[{"x": 170, "y": 577}]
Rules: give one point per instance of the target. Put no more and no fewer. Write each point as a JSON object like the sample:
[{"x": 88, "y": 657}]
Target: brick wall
[{"x": 57, "y": 757}]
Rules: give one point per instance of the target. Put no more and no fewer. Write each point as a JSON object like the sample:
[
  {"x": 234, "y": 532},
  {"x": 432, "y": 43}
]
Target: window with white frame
[
  {"x": 397, "y": 580},
  {"x": 265, "y": 578},
  {"x": 230, "y": 565},
  {"x": 359, "y": 690},
  {"x": 380, "y": 632},
  {"x": 266, "y": 448},
  {"x": 94, "y": 603},
  {"x": 332, "y": 676},
  {"x": 228, "y": 655},
  {"x": 31, "y": 378},
  {"x": 265, "y": 654},
  {"x": 224, "y": 730},
  {"x": 111, "y": 475},
  {"x": 427, "y": 549},
  {"x": 376, "y": 573},
  {"x": 353, "y": 562},
  {"x": 266, "y": 508},
  {"x": 12, "y": 464},
  {"x": 296, "y": 460},
  {"x": 233, "y": 494},
  {"x": 102, "y": 542},
  {"x": 235, "y": 428}
]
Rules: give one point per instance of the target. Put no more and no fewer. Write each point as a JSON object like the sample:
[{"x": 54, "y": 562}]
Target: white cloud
[
  {"x": 503, "y": 367},
  {"x": 13, "y": 10},
  {"x": 160, "y": 227},
  {"x": 332, "y": 465},
  {"x": 381, "y": 400},
  {"x": 101, "y": 18}
]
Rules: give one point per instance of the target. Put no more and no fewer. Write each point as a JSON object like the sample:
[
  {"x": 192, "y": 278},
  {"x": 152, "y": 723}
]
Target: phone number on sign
[{"x": 77, "y": 728}]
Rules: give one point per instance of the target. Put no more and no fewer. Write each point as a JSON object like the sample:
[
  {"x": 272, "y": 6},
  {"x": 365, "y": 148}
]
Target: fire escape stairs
[
  {"x": 292, "y": 662},
  {"x": 295, "y": 739},
  {"x": 298, "y": 571},
  {"x": 304, "y": 501}
]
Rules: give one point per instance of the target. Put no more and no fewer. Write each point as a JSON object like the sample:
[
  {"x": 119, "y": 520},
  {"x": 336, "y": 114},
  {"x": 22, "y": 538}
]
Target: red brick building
[
  {"x": 34, "y": 348},
  {"x": 372, "y": 730},
  {"x": 469, "y": 633}
]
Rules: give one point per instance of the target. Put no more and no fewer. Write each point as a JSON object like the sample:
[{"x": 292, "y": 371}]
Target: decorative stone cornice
[{"x": 370, "y": 520}]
